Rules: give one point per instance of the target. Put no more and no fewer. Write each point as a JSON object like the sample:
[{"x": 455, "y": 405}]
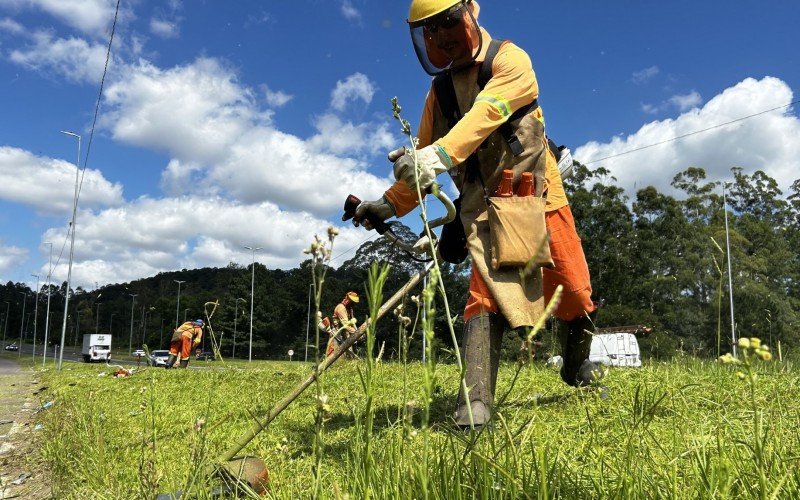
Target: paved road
[{"x": 71, "y": 354}]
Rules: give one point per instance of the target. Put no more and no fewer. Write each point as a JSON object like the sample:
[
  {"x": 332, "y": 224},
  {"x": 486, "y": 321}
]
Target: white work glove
[
  {"x": 381, "y": 208},
  {"x": 431, "y": 161}
]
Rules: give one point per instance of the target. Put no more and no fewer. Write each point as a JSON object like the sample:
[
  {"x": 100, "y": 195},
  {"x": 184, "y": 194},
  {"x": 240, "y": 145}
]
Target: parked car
[
  {"x": 138, "y": 353},
  {"x": 159, "y": 357},
  {"x": 205, "y": 356},
  {"x": 12, "y": 347}
]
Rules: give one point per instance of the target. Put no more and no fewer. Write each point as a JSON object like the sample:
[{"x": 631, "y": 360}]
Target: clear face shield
[{"x": 448, "y": 41}]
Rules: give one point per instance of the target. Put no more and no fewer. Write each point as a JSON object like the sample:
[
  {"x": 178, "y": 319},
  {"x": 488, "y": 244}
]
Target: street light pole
[
  {"x": 730, "y": 278},
  {"x": 178, "y": 307},
  {"x": 184, "y": 313},
  {"x": 308, "y": 317},
  {"x": 22, "y": 321},
  {"x": 71, "y": 249},
  {"x": 235, "y": 317},
  {"x": 97, "y": 316},
  {"x": 130, "y": 339},
  {"x": 47, "y": 316},
  {"x": 252, "y": 290},
  {"x": 35, "y": 317},
  {"x": 5, "y": 326}
]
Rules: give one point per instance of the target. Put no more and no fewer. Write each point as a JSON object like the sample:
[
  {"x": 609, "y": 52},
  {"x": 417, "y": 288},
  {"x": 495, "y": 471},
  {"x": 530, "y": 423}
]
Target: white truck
[
  {"x": 96, "y": 347},
  {"x": 615, "y": 349}
]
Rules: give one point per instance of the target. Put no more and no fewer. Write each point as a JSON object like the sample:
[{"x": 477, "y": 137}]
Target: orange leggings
[
  {"x": 182, "y": 347},
  {"x": 571, "y": 271}
]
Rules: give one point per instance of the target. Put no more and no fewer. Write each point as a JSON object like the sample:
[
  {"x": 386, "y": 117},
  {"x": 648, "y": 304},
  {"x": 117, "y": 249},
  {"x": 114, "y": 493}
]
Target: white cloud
[
  {"x": 194, "y": 112},
  {"x": 681, "y": 102},
  {"x": 164, "y": 28},
  {"x": 11, "y": 257},
  {"x": 178, "y": 177},
  {"x": 221, "y": 143},
  {"x": 73, "y": 58},
  {"x": 276, "y": 98},
  {"x": 349, "y": 11},
  {"x": 686, "y": 101},
  {"x": 10, "y": 26},
  {"x": 48, "y": 185},
  {"x": 767, "y": 142},
  {"x": 339, "y": 137},
  {"x": 644, "y": 75},
  {"x": 93, "y": 17},
  {"x": 150, "y": 236},
  {"x": 354, "y": 87}
]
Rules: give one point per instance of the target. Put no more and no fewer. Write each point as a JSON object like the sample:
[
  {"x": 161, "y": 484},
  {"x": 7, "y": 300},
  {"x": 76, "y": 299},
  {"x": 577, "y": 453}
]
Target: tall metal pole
[
  {"x": 71, "y": 250},
  {"x": 130, "y": 338},
  {"x": 252, "y": 290},
  {"x": 308, "y": 318},
  {"x": 47, "y": 316},
  {"x": 730, "y": 277},
  {"x": 22, "y": 322},
  {"x": 178, "y": 306},
  {"x": 5, "y": 326},
  {"x": 35, "y": 317},
  {"x": 235, "y": 317},
  {"x": 97, "y": 317}
]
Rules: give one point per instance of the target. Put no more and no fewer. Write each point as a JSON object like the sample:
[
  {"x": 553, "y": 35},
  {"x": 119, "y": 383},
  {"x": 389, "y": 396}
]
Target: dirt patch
[{"x": 22, "y": 471}]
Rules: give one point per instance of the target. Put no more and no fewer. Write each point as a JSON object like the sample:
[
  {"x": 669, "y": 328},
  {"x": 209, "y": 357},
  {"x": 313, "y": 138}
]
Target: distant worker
[
  {"x": 184, "y": 338},
  {"x": 343, "y": 324}
]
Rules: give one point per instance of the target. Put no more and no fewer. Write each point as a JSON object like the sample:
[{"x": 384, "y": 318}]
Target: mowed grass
[{"x": 683, "y": 429}]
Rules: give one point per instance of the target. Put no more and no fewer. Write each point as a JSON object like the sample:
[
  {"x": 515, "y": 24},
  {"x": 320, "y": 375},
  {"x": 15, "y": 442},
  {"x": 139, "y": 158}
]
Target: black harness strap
[{"x": 448, "y": 104}]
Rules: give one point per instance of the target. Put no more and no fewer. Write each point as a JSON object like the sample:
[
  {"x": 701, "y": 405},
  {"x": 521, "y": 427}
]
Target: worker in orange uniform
[
  {"x": 184, "y": 338},
  {"x": 343, "y": 327},
  {"x": 478, "y": 120}
]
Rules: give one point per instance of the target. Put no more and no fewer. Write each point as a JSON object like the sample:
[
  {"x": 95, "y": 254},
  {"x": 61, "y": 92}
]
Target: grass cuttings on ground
[{"x": 685, "y": 429}]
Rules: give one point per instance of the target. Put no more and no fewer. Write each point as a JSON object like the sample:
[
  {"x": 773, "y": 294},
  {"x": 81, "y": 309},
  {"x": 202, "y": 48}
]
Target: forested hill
[{"x": 658, "y": 259}]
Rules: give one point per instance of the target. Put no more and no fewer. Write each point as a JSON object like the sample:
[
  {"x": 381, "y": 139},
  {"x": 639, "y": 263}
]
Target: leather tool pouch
[{"x": 518, "y": 232}]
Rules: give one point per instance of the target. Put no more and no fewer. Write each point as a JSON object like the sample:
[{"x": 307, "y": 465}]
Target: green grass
[{"x": 683, "y": 429}]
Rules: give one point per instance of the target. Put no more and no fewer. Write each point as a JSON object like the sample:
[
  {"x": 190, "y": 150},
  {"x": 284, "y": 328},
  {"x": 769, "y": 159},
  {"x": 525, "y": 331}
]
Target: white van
[
  {"x": 96, "y": 347},
  {"x": 615, "y": 349}
]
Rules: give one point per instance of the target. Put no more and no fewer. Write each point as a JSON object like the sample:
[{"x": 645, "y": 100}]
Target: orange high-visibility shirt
[{"x": 512, "y": 86}]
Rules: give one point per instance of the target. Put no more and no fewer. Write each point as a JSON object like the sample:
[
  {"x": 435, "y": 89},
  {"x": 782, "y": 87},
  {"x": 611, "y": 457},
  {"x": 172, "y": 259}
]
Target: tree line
[{"x": 657, "y": 259}]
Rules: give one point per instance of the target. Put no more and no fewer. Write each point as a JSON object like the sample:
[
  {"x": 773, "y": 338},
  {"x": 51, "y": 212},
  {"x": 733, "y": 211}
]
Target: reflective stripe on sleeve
[{"x": 497, "y": 102}]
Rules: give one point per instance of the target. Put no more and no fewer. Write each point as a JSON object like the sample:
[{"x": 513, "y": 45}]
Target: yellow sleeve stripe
[{"x": 501, "y": 105}]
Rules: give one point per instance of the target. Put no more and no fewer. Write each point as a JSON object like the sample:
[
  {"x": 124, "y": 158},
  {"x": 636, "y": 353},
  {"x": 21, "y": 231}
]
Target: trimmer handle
[{"x": 350, "y": 205}]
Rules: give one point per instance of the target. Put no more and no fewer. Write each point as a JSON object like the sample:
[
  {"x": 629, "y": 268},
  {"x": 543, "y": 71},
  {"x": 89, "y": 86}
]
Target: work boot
[
  {"x": 481, "y": 352},
  {"x": 171, "y": 361},
  {"x": 576, "y": 343},
  {"x": 185, "y": 363}
]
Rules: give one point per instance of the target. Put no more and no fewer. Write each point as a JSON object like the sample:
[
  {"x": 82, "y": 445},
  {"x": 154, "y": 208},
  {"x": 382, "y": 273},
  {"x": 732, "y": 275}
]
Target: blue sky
[{"x": 247, "y": 123}]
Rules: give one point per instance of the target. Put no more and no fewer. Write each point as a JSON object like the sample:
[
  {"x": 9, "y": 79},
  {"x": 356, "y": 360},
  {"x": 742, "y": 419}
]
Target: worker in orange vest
[
  {"x": 184, "y": 338},
  {"x": 479, "y": 120},
  {"x": 343, "y": 326}
]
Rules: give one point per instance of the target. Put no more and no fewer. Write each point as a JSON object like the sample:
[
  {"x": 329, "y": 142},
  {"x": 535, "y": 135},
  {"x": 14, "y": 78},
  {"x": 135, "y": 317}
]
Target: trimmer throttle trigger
[{"x": 350, "y": 205}]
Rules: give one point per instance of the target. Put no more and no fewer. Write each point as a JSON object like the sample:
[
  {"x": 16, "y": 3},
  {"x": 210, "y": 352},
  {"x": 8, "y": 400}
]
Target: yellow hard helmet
[
  {"x": 445, "y": 34},
  {"x": 353, "y": 296},
  {"x": 423, "y": 9}
]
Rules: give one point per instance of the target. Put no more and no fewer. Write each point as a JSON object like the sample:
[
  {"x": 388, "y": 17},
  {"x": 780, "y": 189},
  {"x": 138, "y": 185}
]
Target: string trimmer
[{"x": 251, "y": 472}]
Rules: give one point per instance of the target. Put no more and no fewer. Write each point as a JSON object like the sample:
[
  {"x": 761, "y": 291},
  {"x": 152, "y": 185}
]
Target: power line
[
  {"x": 99, "y": 96},
  {"x": 692, "y": 133},
  {"x": 91, "y": 134},
  {"x": 370, "y": 237}
]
